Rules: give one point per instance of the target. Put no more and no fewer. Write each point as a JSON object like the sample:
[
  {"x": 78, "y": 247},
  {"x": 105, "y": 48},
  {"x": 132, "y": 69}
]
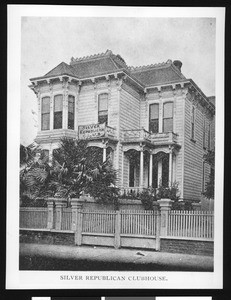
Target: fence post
[
  {"x": 59, "y": 204},
  {"x": 157, "y": 230},
  {"x": 165, "y": 207},
  {"x": 79, "y": 226},
  {"x": 50, "y": 217},
  {"x": 75, "y": 205},
  {"x": 117, "y": 229}
]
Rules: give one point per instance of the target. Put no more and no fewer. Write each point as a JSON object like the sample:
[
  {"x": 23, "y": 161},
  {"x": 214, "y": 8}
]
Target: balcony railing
[
  {"x": 163, "y": 138},
  {"x": 96, "y": 131},
  {"x": 136, "y": 135},
  {"x": 142, "y": 135}
]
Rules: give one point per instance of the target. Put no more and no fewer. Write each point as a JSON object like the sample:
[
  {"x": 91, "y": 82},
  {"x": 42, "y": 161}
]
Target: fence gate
[{"x": 125, "y": 228}]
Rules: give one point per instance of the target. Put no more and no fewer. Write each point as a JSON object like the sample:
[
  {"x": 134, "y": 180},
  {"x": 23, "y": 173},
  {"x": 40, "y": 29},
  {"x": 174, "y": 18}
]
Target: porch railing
[
  {"x": 163, "y": 138},
  {"x": 134, "y": 191}
]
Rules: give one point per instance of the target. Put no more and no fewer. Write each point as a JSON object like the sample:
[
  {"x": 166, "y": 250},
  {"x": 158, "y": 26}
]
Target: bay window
[
  {"x": 58, "y": 111},
  {"x": 71, "y": 111},
  {"x": 45, "y": 117}
]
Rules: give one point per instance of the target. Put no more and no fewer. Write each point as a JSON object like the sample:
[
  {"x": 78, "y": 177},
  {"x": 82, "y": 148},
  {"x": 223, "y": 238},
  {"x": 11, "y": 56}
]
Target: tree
[
  {"x": 210, "y": 159},
  {"x": 74, "y": 169}
]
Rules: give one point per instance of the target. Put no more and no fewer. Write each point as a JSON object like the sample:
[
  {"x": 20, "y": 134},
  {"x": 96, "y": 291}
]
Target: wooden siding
[
  {"x": 193, "y": 152},
  {"x": 179, "y": 129},
  {"x": 129, "y": 110}
]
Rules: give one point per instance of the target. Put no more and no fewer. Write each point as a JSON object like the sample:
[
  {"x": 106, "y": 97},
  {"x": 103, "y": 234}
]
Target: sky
[{"x": 47, "y": 41}]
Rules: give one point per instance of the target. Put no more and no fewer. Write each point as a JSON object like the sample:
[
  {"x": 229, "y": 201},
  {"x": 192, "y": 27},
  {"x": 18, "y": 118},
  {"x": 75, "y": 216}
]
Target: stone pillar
[
  {"x": 165, "y": 207},
  {"x": 50, "y": 218},
  {"x": 170, "y": 168},
  {"x": 117, "y": 229},
  {"x": 75, "y": 207},
  {"x": 141, "y": 168},
  {"x": 59, "y": 204},
  {"x": 150, "y": 169}
]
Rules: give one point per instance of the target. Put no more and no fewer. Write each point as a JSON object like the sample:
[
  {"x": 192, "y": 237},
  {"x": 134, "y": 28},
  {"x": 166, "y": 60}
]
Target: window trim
[
  {"x": 209, "y": 136},
  {"x": 58, "y": 94},
  {"x": 163, "y": 118},
  {"x": 149, "y": 119},
  {"x": 192, "y": 124},
  {"x": 98, "y": 98},
  {"x": 74, "y": 116},
  {"x": 45, "y": 96}
]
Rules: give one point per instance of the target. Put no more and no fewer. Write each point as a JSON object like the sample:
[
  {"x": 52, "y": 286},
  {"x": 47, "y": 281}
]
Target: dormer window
[
  {"x": 168, "y": 117},
  {"x": 71, "y": 111},
  {"x": 58, "y": 111},
  {"x": 103, "y": 108},
  {"x": 45, "y": 117},
  {"x": 154, "y": 118}
]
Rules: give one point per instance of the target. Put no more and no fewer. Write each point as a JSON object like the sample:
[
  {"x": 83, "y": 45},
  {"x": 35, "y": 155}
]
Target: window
[
  {"x": 209, "y": 134},
  {"x": 168, "y": 117},
  {"x": 71, "y": 111},
  {"x": 103, "y": 108},
  {"x": 193, "y": 123},
  {"x": 154, "y": 118},
  {"x": 58, "y": 111},
  {"x": 45, "y": 122},
  {"x": 204, "y": 133}
]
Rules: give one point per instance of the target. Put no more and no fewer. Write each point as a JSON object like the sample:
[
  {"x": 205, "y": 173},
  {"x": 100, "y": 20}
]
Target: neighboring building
[{"x": 155, "y": 123}]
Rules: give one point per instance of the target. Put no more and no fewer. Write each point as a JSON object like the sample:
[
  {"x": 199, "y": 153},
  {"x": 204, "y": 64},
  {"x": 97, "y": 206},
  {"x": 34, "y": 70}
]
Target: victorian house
[{"x": 155, "y": 124}]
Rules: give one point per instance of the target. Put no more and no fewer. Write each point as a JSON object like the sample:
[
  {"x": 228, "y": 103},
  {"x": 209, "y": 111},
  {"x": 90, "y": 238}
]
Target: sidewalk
[{"x": 94, "y": 258}]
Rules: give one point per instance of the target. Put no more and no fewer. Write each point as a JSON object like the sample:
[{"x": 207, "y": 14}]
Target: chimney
[{"x": 178, "y": 64}]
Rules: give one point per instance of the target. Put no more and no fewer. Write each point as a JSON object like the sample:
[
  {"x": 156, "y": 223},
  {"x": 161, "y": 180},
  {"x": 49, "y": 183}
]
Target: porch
[{"x": 149, "y": 159}]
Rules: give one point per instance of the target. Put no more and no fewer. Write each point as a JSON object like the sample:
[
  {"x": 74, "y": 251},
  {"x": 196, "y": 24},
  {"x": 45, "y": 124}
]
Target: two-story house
[{"x": 155, "y": 123}]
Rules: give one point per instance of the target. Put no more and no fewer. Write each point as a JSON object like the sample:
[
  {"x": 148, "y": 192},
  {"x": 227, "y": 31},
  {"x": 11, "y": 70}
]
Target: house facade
[{"x": 153, "y": 123}]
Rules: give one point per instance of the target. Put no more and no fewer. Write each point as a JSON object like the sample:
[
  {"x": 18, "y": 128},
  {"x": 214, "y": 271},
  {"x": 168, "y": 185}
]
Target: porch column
[
  {"x": 150, "y": 169},
  {"x": 159, "y": 171},
  {"x": 141, "y": 168},
  {"x": 104, "y": 153},
  {"x": 170, "y": 167}
]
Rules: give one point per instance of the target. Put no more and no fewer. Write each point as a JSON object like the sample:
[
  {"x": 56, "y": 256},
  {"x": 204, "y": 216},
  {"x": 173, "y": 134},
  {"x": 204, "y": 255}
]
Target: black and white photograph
[{"x": 116, "y": 179}]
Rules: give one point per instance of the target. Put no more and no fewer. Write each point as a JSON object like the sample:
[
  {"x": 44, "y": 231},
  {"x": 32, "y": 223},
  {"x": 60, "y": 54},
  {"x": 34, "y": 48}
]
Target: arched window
[
  {"x": 103, "y": 108},
  {"x": 71, "y": 111},
  {"x": 168, "y": 117},
  {"x": 154, "y": 118},
  {"x": 58, "y": 111},
  {"x": 45, "y": 117}
]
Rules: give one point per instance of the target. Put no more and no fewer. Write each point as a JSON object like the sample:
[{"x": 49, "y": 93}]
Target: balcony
[
  {"x": 142, "y": 135},
  {"x": 96, "y": 131},
  {"x": 136, "y": 135},
  {"x": 164, "y": 138}
]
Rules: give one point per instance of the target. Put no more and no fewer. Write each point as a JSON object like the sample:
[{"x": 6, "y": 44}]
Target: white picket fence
[{"x": 183, "y": 224}]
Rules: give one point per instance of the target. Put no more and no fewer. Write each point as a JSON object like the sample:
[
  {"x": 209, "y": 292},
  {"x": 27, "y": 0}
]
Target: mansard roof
[
  {"x": 61, "y": 69},
  {"x": 97, "y": 64},
  {"x": 157, "y": 73},
  {"x": 105, "y": 63}
]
